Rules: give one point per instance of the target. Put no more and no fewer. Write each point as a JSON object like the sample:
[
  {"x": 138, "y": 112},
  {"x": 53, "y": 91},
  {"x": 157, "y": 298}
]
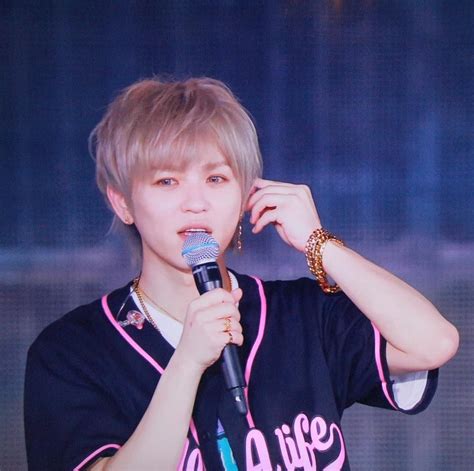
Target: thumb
[{"x": 237, "y": 294}]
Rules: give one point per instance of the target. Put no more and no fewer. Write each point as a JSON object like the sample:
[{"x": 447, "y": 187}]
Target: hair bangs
[{"x": 179, "y": 144}]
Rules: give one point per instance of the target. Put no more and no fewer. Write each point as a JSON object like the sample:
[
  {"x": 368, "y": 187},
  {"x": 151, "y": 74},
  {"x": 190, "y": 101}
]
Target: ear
[
  {"x": 245, "y": 203},
  {"x": 119, "y": 205}
]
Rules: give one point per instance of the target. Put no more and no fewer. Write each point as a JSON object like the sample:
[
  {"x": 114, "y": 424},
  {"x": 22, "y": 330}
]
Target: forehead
[
  {"x": 186, "y": 153},
  {"x": 204, "y": 156}
]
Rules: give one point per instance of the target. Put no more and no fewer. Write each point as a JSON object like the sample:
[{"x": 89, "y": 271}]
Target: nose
[{"x": 195, "y": 199}]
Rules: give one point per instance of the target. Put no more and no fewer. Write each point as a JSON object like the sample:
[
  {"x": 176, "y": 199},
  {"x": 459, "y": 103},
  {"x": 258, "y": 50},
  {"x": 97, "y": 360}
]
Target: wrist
[
  {"x": 185, "y": 365},
  {"x": 328, "y": 254},
  {"x": 314, "y": 250}
]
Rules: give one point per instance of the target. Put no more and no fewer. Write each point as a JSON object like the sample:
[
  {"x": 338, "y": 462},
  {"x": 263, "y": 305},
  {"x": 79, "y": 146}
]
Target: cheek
[
  {"x": 153, "y": 207},
  {"x": 231, "y": 210},
  {"x": 237, "y": 200}
]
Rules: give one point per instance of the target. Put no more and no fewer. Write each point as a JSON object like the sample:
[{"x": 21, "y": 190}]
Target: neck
[{"x": 174, "y": 289}]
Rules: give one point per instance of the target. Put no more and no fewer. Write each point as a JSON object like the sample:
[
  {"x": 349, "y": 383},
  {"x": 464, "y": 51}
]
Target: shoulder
[
  {"x": 75, "y": 329},
  {"x": 291, "y": 290},
  {"x": 301, "y": 296},
  {"x": 279, "y": 286},
  {"x": 300, "y": 286}
]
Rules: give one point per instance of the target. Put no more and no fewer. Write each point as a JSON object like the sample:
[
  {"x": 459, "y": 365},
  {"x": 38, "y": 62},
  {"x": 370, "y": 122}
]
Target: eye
[
  {"x": 168, "y": 181},
  {"x": 216, "y": 179}
]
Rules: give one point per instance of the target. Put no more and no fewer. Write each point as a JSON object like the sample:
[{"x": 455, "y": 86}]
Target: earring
[{"x": 239, "y": 237}]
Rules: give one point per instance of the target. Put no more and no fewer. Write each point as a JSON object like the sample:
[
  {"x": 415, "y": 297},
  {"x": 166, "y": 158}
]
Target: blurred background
[{"x": 369, "y": 102}]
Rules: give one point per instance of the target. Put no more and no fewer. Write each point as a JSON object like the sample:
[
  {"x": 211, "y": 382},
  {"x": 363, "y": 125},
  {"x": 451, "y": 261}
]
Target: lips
[{"x": 187, "y": 230}]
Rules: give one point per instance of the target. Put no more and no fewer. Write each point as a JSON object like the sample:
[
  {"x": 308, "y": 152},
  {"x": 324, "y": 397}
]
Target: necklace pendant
[{"x": 134, "y": 318}]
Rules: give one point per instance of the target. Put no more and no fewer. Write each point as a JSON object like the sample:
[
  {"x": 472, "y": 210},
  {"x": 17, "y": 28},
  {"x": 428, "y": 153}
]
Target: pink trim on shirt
[
  {"x": 378, "y": 361},
  {"x": 140, "y": 350},
  {"x": 95, "y": 453},
  {"x": 256, "y": 345},
  {"x": 183, "y": 455},
  {"x": 129, "y": 339}
]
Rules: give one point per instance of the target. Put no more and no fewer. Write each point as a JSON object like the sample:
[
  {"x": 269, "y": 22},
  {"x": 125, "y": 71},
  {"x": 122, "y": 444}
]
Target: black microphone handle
[
  {"x": 208, "y": 277},
  {"x": 233, "y": 376}
]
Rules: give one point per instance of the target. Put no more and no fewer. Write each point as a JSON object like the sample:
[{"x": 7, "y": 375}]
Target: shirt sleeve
[
  {"x": 356, "y": 356},
  {"x": 70, "y": 419}
]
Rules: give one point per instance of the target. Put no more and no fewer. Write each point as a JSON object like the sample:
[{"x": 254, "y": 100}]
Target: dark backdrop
[{"x": 369, "y": 102}]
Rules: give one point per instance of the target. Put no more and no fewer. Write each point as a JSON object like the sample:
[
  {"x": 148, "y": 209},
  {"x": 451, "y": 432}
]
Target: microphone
[{"x": 200, "y": 251}]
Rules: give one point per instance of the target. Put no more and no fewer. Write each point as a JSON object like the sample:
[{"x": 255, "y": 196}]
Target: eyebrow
[
  {"x": 213, "y": 165},
  {"x": 207, "y": 167}
]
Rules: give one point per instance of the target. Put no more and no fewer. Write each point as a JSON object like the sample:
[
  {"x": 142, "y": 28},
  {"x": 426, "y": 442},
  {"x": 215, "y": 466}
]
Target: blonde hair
[{"x": 154, "y": 124}]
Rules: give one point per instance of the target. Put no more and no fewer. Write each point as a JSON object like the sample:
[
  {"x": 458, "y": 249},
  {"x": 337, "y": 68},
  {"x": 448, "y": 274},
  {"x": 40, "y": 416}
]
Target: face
[{"x": 171, "y": 203}]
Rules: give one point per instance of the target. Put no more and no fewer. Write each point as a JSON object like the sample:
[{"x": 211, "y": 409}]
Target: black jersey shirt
[{"x": 306, "y": 357}]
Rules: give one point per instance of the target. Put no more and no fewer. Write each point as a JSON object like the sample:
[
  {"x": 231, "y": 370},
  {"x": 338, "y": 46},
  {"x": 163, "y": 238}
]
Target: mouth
[{"x": 194, "y": 230}]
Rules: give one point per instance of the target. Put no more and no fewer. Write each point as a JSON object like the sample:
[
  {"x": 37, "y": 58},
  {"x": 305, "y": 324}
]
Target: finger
[
  {"x": 263, "y": 183},
  {"x": 231, "y": 337},
  {"x": 267, "y": 202},
  {"x": 216, "y": 312},
  {"x": 215, "y": 296},
  {"x": 270, "y": 216},
  {"x": 279, "y": 187},
  {"x": 259, "y": 185},
  {"x": 282, "y": 189},
  {"x": 237, "y": 294},
  {"x": 209, "y": 332},
  {"x": 230, "y": 323},
  {"x": 227, "y": 324},
  {"x": 230, "y": 328}
]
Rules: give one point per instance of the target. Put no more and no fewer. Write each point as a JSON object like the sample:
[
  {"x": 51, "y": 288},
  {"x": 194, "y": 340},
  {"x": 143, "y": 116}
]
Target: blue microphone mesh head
[{"x": 199, "y": 248}]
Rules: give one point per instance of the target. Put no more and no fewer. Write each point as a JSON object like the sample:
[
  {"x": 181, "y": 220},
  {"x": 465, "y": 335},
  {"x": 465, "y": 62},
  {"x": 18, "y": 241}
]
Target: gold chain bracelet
[{"x": 314, "y": 250}]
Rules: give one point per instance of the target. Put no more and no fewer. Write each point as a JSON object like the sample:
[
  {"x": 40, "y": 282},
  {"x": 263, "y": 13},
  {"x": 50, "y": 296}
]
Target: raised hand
[{"x": 290, "y": 208}]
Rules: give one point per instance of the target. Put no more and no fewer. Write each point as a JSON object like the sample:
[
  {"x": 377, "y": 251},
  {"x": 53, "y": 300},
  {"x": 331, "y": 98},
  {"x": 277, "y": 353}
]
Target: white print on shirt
[
  {"x": 299, "y": 446},
  {"x": 193, "y": 462},
  {"x": 299, "y": 452}
]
